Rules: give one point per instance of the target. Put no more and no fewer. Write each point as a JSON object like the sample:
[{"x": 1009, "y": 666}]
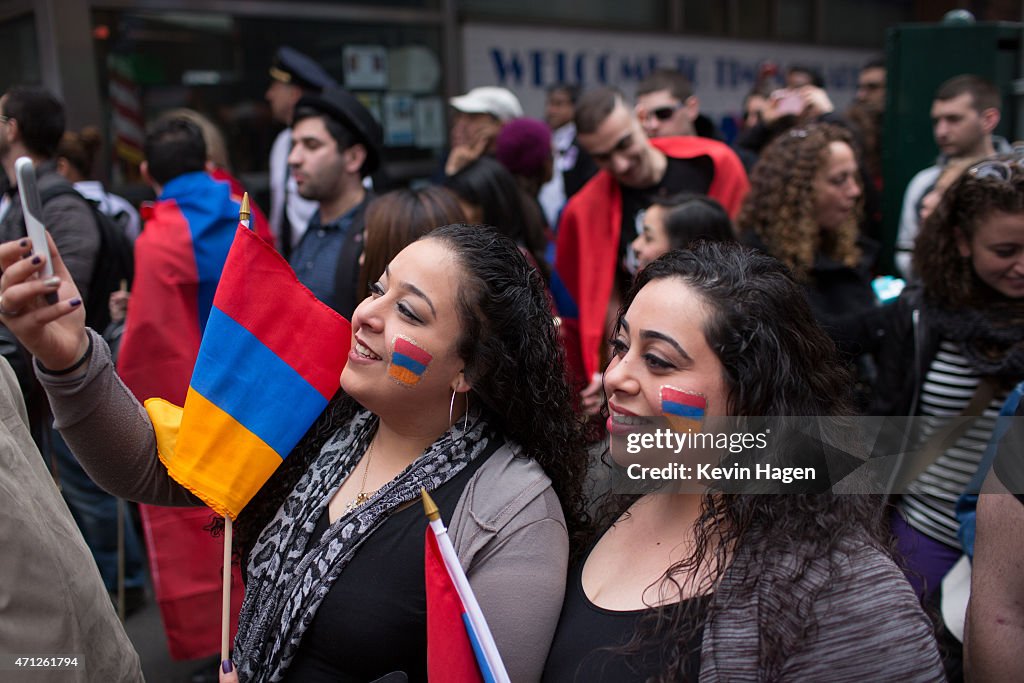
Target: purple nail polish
[
  {"x": 226, "y": 666},
  {"x": 37, "y": 260},
  {"x": 23, "y": 243},
  {"x": 75, "y": 302}
]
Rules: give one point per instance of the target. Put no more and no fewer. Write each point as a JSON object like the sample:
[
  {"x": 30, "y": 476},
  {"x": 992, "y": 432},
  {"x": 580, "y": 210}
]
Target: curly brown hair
[
  {"x": 779, "y": 209},
  {"x": 946, "y": 275}
]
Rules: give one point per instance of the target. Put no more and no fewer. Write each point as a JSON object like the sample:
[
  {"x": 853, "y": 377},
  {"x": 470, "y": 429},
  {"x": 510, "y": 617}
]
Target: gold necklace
[{"x": 362, "y": 496}]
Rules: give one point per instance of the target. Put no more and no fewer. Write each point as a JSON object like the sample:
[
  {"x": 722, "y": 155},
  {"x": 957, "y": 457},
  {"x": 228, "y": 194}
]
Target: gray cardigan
[
  {"x": 508, "y": 528},
  {"x": 868, "y": 624}
]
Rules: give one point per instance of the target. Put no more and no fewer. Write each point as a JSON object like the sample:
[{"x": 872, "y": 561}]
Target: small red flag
[{"x": 449, "y": 651}]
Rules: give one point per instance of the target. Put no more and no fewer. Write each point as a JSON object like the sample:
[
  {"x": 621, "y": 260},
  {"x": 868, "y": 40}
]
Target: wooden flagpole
[{"x": 225, "y": 615}]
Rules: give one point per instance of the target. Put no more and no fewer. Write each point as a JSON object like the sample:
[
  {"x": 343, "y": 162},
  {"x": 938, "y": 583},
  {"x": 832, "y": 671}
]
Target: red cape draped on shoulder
[{"x": 588, "y": 243}]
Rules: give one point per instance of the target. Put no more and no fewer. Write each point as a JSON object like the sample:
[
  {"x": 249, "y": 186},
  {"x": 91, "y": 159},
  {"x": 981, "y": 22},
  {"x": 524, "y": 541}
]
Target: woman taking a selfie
[{"x": 332, "y": 545}]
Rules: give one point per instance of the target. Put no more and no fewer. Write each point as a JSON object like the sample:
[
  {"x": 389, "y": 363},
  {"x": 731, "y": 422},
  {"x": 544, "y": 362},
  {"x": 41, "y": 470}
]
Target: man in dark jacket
[
  {"x": 31, "y": 124},
  {"x": 335, "y": 144}
]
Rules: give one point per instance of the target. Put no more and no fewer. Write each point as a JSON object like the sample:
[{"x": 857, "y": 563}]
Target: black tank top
[
  {"x": 584, "y": 648},
  {"x": 374, "y": 618}
]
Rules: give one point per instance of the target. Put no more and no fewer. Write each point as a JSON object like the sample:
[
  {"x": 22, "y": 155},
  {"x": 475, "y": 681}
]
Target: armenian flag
[
  {"x": 408, "y": 361},
  {"x": 268, "y": 364},
  {"x": 460, "y": 646},
  {"x": 684, "y": 409}
]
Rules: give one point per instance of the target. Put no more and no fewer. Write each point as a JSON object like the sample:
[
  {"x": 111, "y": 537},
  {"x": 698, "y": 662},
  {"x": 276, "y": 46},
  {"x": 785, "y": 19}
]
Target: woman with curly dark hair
[
  {"x": 804, "y": 208},
  {"x": 332, "y": 545},
  {"x": 734, "y": 586},
  {"x": 953, "y": 344}
]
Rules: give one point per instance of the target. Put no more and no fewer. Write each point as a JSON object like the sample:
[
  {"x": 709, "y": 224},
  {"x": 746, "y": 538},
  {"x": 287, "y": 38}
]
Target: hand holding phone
[
  {"x": 32, "y": 208},
  {"x": 788, "y": 102}
]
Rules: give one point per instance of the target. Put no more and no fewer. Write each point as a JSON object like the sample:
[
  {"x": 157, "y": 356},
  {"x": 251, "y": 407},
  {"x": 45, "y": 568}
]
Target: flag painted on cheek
[
  {"x": 684, "y": 409},
  {"x": 408, "y": 361}
]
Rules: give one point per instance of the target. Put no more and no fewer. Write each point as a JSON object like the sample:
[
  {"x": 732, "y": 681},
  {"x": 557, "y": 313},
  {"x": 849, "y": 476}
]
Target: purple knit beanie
[{"x": 524, "y": 146}]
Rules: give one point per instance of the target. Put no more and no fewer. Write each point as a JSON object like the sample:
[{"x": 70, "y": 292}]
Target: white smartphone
[{"x": 32, "y": 208}]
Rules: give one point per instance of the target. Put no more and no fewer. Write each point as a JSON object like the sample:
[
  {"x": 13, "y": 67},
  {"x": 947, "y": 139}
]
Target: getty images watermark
[
  {"x": 667, "y": 440},
  {"x": 801, "y": 454}
]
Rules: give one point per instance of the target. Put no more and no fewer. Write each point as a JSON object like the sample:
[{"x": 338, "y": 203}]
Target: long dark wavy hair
[
  {"x": 779, "y": 208},
  {"x": 492, "y": 187},
  {"x": 514, "y": 362},
  {"x": 776, "y": 361},
  {"x": 948, "y": 278}
]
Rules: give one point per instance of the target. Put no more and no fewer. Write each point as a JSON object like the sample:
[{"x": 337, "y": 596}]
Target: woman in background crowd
[
  {"x": 804, "y": 208},
  {"x": 489, "y": 195},
  {"x": 951, "y": 345},
  {"x": 677, "y": 221},
  {"x": 397, "y": 219}
]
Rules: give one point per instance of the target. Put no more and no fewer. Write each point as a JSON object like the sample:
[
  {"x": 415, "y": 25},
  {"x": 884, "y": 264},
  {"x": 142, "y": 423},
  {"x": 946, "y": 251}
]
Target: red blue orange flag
[
  {"x": 408, "y": 362},
  {"x": 460, "y": 645},
  {"x": 268, "y": 364}
]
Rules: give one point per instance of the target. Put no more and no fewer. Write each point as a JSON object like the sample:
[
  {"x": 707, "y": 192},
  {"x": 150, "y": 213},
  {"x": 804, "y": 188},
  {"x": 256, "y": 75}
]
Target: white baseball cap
[{"x": 498, "y": 102}]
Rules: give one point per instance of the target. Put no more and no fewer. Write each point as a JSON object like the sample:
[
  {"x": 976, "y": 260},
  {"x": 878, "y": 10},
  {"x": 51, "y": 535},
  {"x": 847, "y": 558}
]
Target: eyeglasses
[
  {"x": 662, "y": 113},
  {"x": 996, "y": 169}
]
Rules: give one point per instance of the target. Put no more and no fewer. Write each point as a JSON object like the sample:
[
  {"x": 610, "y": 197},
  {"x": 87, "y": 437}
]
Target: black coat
[
  {"x": 904, "y": 341},
  {"x": 346, "y": 277}
]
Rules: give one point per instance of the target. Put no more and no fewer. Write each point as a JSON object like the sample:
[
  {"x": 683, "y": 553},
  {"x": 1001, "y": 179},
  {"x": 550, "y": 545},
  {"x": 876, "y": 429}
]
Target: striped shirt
[{"x": 930, "y": 504}]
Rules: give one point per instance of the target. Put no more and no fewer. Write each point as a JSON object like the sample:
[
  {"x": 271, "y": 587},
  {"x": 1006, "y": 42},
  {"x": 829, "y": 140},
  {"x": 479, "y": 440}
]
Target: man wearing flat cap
[
  {"x": 336, "y": 143},
  {"x": 293, "y": 75},
  {"x": 477, "y": 117}
]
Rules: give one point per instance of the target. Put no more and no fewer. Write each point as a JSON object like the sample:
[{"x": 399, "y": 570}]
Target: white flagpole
[{"x": 469, "y": 603}]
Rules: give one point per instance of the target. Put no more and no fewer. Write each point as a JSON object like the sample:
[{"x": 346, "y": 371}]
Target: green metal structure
[{"x": 919, "y": 58}]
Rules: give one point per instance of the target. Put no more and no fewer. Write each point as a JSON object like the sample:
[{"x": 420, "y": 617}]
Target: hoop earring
[
  {"x": 451, "y": 413},
  {"x": 465, "y": 417}
]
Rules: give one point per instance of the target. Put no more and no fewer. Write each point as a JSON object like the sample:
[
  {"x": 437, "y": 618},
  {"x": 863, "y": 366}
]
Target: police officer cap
[
  {"x": 291, "y": 66},
  {"x": 342, "y": 106}
]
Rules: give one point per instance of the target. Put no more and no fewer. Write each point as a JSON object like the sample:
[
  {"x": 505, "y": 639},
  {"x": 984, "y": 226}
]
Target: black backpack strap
[{"x": 60, "y": 190}]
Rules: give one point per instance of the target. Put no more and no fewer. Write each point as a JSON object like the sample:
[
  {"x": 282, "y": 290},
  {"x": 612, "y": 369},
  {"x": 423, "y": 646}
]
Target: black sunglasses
[{"x": 664, "y": 113}]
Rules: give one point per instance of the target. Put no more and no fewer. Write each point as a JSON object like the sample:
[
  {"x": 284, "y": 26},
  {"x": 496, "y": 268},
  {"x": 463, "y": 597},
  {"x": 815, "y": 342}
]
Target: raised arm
[
  {"x": 110, "y": 432},
  {"x": 101, "y": 421}
]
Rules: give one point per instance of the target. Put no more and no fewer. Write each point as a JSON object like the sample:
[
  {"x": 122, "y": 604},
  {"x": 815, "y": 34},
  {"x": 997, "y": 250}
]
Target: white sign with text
[{"x": 526, "y": 60}]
